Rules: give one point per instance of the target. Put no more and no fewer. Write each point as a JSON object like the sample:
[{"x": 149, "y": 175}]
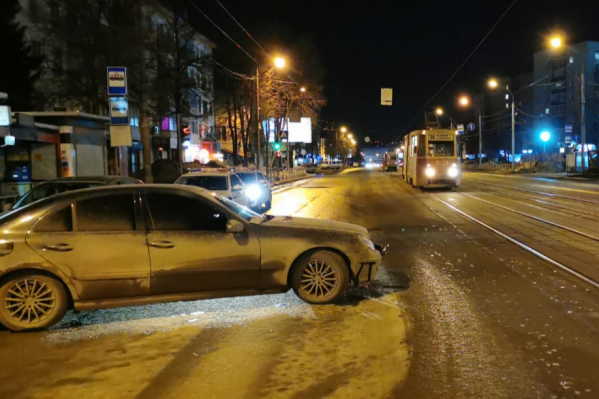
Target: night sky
[{"x": 410, "y": 46}]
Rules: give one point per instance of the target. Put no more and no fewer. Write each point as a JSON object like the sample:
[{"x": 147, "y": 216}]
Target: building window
[{"x": 205, "y": 108}]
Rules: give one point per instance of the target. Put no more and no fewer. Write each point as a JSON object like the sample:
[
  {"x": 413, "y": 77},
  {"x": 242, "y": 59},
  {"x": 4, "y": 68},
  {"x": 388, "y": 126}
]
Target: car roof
[
  {"x": 193, "y": 174},
  {"x": 93, "y": 179},
  {"x": 76, "y": 195},
  {"x": 63, "y": 199}
]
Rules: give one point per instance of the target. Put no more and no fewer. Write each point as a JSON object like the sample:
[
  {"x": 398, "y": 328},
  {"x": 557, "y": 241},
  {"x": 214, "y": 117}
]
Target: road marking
[{"x": 520, "y": 244}]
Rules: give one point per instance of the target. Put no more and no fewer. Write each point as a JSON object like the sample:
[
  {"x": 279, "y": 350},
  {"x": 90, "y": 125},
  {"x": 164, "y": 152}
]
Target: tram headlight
[
  {"x": 429, "y": 172},
  {"x": 453, "y": 171}
]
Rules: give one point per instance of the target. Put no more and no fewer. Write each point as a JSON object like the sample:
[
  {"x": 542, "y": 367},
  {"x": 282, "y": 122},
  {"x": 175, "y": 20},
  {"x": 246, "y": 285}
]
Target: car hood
[{"x": 316, "y": 224}]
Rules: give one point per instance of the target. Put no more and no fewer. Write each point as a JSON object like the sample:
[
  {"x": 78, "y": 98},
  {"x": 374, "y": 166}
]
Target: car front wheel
[
  {"x": 31, "y": 302},
  {"x": 320, "y": 277}
]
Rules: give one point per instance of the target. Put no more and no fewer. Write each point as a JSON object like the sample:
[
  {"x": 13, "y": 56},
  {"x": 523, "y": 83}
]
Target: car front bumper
[{"x": 367, "y": 266}]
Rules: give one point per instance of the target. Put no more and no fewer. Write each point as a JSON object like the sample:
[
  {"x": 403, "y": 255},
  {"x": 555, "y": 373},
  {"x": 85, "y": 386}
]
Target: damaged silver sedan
[{"x": 133, "y": 245}]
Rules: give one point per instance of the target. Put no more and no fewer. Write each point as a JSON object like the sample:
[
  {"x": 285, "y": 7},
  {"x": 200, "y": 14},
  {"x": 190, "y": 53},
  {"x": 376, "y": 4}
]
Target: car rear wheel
[
  {"x": 32, "y": 301},
  {"x": 320, "y": 277}
]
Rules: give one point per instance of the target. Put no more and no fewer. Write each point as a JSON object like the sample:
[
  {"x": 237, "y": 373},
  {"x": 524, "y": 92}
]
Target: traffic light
[
  {"x": 276, "y": 145},
  {"x": 279, "y": 153}
]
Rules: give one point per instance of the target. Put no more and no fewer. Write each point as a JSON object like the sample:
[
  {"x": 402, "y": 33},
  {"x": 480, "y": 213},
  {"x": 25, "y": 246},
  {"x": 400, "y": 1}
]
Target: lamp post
[
  {"x": 279, "y": 63},
  {"x": 464, "y": 102},
  {"x": 493, "y": 84}
]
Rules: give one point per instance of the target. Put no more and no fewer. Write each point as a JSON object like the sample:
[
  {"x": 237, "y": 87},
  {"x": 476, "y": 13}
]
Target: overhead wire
[
  {"x": 463, "y": 63},
  {"x": 242, "y": 28},
  {"x": 221, "y": 30}
]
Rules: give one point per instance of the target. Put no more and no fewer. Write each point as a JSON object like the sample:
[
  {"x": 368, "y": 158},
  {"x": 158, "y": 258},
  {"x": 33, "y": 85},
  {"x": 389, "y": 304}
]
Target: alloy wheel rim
[
  {"x": 319, "y": 279},
  {"x": 29, "y": 301}
]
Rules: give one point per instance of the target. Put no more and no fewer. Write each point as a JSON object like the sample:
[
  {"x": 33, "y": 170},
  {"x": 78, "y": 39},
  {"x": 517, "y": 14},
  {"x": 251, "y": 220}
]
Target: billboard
[{"x": 298, "y": 132}]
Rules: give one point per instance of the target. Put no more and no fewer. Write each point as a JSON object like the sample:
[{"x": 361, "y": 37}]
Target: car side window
[
  {"x": 106, "y": 213},
  {"x": 42, "y": 191},
  {"x": 235, "y": 181},
  {"x": 172, "y": 212},
  {"x": 57, "y": 221}
]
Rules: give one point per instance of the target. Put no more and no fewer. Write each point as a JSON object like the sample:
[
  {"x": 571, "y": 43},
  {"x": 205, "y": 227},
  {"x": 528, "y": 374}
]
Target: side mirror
[
  {"x": 234, "y": 226},
  {"x": 237, "y": 187}
]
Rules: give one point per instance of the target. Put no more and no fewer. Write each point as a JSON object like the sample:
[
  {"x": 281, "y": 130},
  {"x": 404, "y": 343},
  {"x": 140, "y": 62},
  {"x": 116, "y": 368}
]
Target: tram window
[
  {"x": 421, "y": 151},
  {"x": 441, "y": 149}
]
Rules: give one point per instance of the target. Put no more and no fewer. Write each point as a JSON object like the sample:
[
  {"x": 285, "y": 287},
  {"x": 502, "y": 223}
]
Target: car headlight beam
[{"x": 254, "y": 192}]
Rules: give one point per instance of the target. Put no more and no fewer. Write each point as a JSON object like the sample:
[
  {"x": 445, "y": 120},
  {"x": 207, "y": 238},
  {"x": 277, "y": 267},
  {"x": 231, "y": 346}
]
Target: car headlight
[
  {"x": 254, "y": 192},
  {"x": 453, "y": 171},
  {"x": 367, "y": 242},
  {"x": 429, "y": 172}
]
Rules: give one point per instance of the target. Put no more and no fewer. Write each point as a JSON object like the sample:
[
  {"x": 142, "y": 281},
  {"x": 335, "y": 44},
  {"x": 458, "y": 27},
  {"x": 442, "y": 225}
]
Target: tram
[{"x": 431, "y": 159}]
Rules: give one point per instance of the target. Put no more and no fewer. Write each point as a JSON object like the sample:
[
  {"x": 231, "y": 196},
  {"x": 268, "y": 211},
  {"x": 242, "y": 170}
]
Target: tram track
[
  {"x": 567, "y": 208},
  {"x": 543, "y": 193},
  {"x": 557, "y": 263}
]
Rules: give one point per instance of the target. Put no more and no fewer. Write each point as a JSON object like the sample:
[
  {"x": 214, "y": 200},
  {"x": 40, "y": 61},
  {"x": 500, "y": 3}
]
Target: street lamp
[
  {"x": 303, "y": 89},
  {"x": 343, "y": 129},
  {"x": 350, "y": 136},
  {"x": 494, "y": 86},
  {"x": 279, "y": 63},
  {"x": 545, "y": 136},
  {"x": 465, "y": 102},
  {"x": 439, "y": 111},
  {"x": 556, "y": 41}
]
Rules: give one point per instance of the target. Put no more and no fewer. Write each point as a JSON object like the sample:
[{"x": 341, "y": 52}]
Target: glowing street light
[
  {"x": 556, "y": 42},
  {"x": 343, "y": 129},
  {"x": 351, "y": 136},
  {"x": 280, "y": 62},
  {"x": 439, "y": 111},
  {"x": 545, "y": 136},
  {"x": 464, "y": 101},
  {"x": 303, "y": 89},
  {"x": 493, "y": 83}
]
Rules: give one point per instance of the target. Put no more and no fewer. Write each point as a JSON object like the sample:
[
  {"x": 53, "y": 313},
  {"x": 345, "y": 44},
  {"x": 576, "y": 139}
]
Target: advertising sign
[{"x": 4, "y": 115}]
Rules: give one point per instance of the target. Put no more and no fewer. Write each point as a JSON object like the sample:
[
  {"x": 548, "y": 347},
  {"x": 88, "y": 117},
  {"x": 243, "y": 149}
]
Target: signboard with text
[
  {"x": 119, "y": 111},
  {"x": 117, "y": 81}
]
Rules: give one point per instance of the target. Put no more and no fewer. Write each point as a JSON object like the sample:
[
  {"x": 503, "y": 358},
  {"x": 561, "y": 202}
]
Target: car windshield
[
  {"x": 247, "y": 177},
  {"x": 212, "y": 183},
  {"x": 236, "y": 208}
]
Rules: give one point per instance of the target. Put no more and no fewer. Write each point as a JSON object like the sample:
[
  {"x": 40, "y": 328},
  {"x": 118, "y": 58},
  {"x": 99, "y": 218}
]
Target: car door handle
[
  {"x": 162, "y": 244},
  {"x": 61, "y": 247}
]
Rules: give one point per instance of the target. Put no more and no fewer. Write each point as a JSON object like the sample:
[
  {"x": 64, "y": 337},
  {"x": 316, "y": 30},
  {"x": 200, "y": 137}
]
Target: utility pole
[
  {"x": 583, "y": 102},
  {"x": 513, "y": 134},
  {"x": 480, "y": 138},
  {"x": 258, "y": 144}
]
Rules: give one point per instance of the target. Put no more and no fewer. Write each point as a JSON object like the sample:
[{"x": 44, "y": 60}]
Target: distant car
[
  {"x": 257, "y": 189},
  {"x": 225, "y": 183},
  {"x": 61, "y": 185},
  {"x": 310, "y": 168},
  {"x": 141, "y": 244}
]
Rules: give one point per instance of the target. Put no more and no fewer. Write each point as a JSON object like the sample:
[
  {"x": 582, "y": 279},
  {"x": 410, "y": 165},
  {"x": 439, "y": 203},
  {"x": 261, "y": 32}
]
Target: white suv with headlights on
[
  {"x": 219, "y": 181},
  {"x": 257, "y": 189}
]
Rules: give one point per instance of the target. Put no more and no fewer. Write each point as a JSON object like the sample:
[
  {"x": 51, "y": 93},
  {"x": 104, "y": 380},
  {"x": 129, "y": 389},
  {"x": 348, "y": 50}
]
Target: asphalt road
[{"x": 459, "y": 311}]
